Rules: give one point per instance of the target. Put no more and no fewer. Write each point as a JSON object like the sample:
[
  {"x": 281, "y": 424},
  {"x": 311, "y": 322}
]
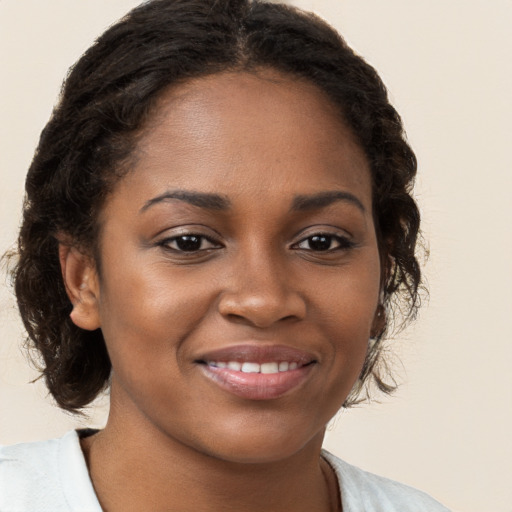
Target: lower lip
[{"x": 257, "y": 386}]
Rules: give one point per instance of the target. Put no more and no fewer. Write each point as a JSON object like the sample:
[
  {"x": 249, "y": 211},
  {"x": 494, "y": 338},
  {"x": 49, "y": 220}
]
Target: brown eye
[
  {"x": 324, "y": 242},
  {"x": 188, "y": 243},
  {"x": 320, "y": 242}
]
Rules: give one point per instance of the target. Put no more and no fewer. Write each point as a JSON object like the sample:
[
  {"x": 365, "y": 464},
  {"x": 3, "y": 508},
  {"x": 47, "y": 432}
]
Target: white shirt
[{"x": 52, "y": 476}]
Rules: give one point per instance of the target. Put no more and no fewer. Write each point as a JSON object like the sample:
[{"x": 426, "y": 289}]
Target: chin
[{"x": 261, "y": 445}]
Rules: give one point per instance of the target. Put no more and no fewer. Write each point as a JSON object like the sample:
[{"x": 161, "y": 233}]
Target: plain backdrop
[{"x": 448, "y": 68}]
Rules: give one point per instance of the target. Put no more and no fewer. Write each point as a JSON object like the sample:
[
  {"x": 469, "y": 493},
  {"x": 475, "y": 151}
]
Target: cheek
[
  {"x": 346, "y": 311},
  {"x": 348, "y": 298},
  {"x": 145, "y": 315}
]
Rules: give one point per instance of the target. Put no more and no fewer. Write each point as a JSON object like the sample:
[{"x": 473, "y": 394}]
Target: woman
[{"x": 218, "y": 220}]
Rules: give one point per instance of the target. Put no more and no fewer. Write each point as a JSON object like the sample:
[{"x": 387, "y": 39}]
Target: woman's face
[{"x": 240, "y": 268}]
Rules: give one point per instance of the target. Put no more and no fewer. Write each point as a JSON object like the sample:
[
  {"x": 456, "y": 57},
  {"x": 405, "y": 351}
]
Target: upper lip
[{"x": 258, "y": 353}]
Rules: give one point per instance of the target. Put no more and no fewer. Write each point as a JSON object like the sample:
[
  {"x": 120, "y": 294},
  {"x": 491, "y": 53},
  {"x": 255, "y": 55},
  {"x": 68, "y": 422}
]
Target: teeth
[
  {"x": 250, "y": 367},
  {"x": 284, "y": 366},
  {"x": 269, "y": 368}
]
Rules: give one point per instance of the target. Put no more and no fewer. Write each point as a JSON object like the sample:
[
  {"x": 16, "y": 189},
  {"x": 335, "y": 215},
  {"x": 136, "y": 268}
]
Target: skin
[{"x": 260, "y": 141}]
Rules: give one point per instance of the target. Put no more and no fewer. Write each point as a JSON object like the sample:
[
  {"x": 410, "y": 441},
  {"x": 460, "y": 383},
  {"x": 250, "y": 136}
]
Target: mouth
[
  {"x": 252, "y": 367},
  {"x": 256, "y": 372}
]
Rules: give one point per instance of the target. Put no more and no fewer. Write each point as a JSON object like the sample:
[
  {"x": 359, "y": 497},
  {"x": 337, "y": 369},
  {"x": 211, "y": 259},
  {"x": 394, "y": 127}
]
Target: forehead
[{"x": 260, "y": 128}]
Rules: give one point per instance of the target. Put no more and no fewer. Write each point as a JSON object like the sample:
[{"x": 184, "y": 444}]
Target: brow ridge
[
  {"x": 323, "y": 199},
  {"x": 200, "y": 199}
]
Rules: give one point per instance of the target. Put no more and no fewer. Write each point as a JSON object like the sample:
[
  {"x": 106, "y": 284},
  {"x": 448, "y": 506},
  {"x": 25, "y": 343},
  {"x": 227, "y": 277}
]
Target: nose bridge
[{"x": 261, "y": 289}]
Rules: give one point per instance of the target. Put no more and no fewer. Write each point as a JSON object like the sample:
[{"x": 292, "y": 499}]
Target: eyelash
[
  {"x": 187, "y": 238},
  {"x": 343, "y": 243}
]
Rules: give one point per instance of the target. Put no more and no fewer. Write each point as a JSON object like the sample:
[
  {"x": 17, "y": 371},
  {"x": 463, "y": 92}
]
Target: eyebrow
[
  {"x": 322, "y": 199},
  {"x": 200, "y": 199}
]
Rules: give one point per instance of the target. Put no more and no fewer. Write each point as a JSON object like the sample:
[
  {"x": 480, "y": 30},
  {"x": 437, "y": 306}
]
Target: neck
[{"x": 135, "y": 466}]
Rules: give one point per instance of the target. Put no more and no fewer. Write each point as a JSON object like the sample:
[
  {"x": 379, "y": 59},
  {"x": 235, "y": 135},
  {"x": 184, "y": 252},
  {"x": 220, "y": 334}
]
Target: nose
[{"x": 261, "y": 292}]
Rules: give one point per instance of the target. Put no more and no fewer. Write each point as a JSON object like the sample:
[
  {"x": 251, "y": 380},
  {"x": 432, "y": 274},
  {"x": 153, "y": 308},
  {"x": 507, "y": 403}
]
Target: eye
[
  {"x": 324, "y": 242},
  {"x": 189, "y": 243}
]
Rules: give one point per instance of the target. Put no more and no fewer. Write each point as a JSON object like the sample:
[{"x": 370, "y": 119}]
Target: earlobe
[
  {"x": 82, "y": 286},
  {"x": 379, "y": 322}
]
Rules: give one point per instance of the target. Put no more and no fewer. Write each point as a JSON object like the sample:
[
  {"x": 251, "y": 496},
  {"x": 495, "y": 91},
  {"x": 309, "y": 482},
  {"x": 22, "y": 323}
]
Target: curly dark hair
[{"x": 105, "y": 102}]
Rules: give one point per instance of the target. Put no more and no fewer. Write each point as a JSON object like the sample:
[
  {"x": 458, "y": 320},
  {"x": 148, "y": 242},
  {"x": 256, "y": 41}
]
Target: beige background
[{"x": 447, "y": 64}]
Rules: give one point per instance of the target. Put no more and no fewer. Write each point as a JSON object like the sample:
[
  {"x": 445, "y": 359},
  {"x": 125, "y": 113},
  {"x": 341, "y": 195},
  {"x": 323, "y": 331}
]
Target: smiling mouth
[
  {"x": 251, "y": 367},
  {"x": 257, "y": 372}
]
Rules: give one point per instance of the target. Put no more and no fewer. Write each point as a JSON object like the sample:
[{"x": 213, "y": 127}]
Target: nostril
[
  {"x": 262, "y": 307},
  {"x": 236, "y": 318},
  {"x": 290, "y": 318}
]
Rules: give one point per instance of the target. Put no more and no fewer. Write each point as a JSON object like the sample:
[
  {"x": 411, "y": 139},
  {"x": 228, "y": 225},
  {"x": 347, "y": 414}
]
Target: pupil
[
  {"x": 188, "y": 243},
  {"x": 320, "y": 243}
]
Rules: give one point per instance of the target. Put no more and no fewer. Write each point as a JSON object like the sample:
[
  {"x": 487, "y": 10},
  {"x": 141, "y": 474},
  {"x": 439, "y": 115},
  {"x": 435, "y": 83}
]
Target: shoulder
[
  {"x": 46, "y": 476},
  {"x": 361, "y": 490}
]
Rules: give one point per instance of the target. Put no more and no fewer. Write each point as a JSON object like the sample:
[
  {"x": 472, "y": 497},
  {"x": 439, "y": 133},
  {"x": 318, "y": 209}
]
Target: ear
[
  {"x": 82, "y": 286},
  {"x": 379, "y": 321}
]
